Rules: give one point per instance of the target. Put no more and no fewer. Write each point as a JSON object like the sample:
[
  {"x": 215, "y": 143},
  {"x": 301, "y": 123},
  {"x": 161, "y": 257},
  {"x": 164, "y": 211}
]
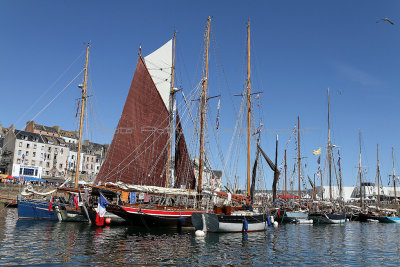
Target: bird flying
[{"x": 385, "y": 19}]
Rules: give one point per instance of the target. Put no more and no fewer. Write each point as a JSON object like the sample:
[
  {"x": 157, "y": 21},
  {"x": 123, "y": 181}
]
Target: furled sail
[
  {"x": 183, "y": 165},
  {"x": 138, "y": 151}
]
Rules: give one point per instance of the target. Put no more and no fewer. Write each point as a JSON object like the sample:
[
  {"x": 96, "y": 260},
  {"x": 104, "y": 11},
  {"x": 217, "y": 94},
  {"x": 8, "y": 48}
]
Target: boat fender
[
  {"x": 200, "y": 233},
  {"x": 108, "y": 220},
  {"x": 272, "y": 219},
  {"x": 268, "y": 221},
  {"x": 245, "y": 225},
  {"x": 276, "y": 224}
]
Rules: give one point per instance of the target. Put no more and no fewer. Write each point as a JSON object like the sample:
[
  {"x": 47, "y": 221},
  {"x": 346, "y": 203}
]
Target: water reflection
[{"x": 40, "y": 242}]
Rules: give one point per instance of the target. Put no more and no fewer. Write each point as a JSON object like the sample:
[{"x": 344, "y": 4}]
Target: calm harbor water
[{"x": 25, "y": 242}]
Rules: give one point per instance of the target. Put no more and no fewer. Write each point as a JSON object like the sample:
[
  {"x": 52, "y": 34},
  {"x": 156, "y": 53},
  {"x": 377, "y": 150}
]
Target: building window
[
  {"x": 72, "y": 157},
  {"x": 33, "y": 163},
  {"x": 27, "y": 153},
  {"x": 19, "y": 152},
  {"x": 28, "y": 171},
  {"x": 55, "y": 157},
  {"x": 33, "y": 154},
  {"x": 42, "y": 148},
  {"x": 62, "y": 151},
  {"x": 28, "y": 145},
  {"x": 36, "y": 172},
  {"x": 20, "y": 144},
  {"x": 18, "y": 161},
  {"x": 47, "y": 172},
  {"x": 35, "y": 146},
  {"x": 47, "y": 164},
  {"x": 61, "y": 166},
  {"x": 20, "y": 171},
  {"x": 49, "y": 149}
]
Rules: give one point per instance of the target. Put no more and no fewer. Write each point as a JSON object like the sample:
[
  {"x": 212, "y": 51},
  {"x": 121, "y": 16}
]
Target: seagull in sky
[{"x": 385, "y": 19}]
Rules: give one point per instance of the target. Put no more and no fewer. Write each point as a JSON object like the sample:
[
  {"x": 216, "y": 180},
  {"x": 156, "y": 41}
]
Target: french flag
[{"x": 101, "y": 210}]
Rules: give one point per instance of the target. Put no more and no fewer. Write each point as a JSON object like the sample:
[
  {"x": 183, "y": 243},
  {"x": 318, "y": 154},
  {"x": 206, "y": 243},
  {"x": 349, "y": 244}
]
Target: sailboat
[
  {"x": 331, "y": 217},
  {"x": 289, "y": 215},
  {"x": 231, "y": 219},
  {"x": 392, "y": 219},
  {"x": 137, "y": 165},
  {"x": 53, "y": 210}
]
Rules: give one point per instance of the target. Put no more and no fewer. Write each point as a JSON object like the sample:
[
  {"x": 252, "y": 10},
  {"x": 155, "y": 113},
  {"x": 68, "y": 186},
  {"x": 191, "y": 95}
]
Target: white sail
[{"x": 159, "y": 64}]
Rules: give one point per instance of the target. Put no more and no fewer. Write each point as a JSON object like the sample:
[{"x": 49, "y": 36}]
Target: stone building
[
  {"x": 41, "y": 151},
  {"x": 34, "y": 155}
]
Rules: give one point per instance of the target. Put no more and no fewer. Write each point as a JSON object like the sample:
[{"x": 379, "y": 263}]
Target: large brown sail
[
  {"x": 183, "y": 165},
  {"x": 138, "y": 153}
]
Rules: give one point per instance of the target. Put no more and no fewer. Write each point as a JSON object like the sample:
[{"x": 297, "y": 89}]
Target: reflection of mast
[
  {"x": 171, "y": 104},
  {"x": 83, "y": 100},
  {"x": 248, "y": 107},
  {"x": 203, "y": 100}
]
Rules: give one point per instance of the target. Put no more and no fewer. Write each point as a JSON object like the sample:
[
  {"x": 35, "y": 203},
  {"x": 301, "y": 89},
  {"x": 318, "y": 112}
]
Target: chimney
[{"x": 30, "y": 126}]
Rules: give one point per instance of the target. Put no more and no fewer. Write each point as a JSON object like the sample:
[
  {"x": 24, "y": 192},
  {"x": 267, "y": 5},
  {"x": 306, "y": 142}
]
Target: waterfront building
[{"x": 34, "y": 155}]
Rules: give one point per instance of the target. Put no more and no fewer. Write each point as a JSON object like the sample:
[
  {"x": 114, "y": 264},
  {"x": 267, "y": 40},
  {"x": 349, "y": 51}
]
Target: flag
[
  {"x": 218, "y": 107},
  {"x": 319, "y": 159},
  {"x": 317, "y": 151},
  {"x": 101, "y": 210},
  {"x": 77, "y": 109},
  {"x": 132, "y": 197},
  {"x": 51, "y": 204},
  {"x": 76, "y": 202}
]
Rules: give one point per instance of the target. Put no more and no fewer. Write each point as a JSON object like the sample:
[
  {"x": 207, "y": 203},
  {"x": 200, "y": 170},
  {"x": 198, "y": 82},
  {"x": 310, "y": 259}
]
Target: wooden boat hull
[
  {"x": 35, "y": 209},
  {"x": 292, "y": 217},
  {"x": 64, "y": 215},
  {"x": 220, "y": 223},
  {"x": 325, "y": 218},
  {"x": 152, "y": 218},
  {"x": 363, "y": 217},
  {"x": 386, "y": 219}
]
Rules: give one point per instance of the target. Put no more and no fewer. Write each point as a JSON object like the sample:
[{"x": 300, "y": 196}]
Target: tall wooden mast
[
  {"x": 394, "y": 182},
  {"x": 285, "y": 178},
  {"x": 248, "y": 107},
  {"x": 360, "y": 175},
  {"x": 298, "y": 156},
  {"x": 83, "y": 102},
  {"x": 203, "y": 100},
  {"x": 171, "y": 104},
  {"x": 378, "y": 174},
  {"x": 329, "y": 150}
]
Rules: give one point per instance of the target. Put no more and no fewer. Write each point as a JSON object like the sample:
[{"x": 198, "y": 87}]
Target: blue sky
[{"x": 299, "y": 49}]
